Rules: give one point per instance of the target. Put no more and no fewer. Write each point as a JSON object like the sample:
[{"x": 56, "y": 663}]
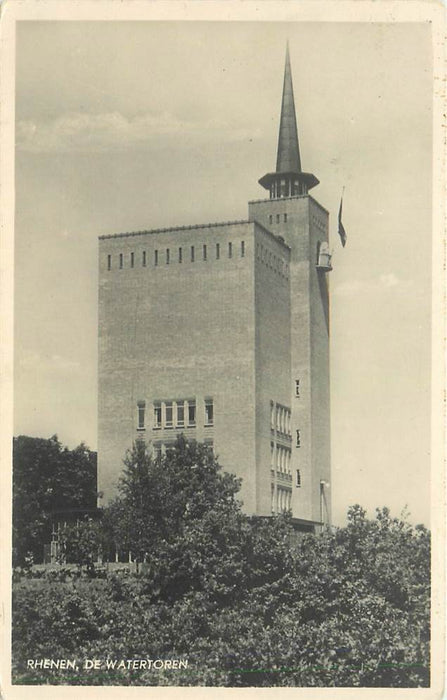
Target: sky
[{"x": 125, "y": 126}]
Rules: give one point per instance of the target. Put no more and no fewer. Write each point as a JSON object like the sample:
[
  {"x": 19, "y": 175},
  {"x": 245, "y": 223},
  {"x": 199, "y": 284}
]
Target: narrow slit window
[
  {"x": 121, "y": 261},
  {"x": 180, "y": 255},
  {"x": 180, "y": 415},
  {"x": 298, "y": 478},
  {"x": 242, "y": 249},
  {"x": 209, "y": 412},
  {"x": 141, "y": 414},
  {"x": 204, "y": 252},
  {"x": 156, "y": 257},
  {"x": 230, "y": 250},
  {"x": 168, "y": 414},
  {"x": 132, "y": 259},
  {"x": 298, "y": 438},
  {"x": 167, "y": 256},
  {"x": 217, "y": 251},
  {"x": 297, "y": 388},
  {"x": 192, "y": 253},
  {"x": 109, "y": 262},
  {"x": 144, "y": 258},
  {"x": 191, "y": 413},
  {"x": 157, "y": 415}
]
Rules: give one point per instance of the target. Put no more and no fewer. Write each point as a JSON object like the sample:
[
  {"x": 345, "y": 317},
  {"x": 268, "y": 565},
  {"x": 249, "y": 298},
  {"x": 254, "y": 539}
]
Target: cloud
[
  {"x": 384, "y": 281},
  {"x": 81, "y": 131}
]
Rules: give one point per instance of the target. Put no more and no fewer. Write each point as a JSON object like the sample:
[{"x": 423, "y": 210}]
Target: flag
[{"x": 341, "y": 228}]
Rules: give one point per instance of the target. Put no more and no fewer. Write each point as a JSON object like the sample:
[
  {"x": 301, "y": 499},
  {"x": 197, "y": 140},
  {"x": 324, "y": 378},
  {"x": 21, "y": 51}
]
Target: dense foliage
[
  {"x": 47, "y": 477},
  {"x": 245, "y": 600},
  {"x": 158, "y": 498}
]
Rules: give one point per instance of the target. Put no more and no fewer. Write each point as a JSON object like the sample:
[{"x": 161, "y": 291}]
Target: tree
[
  {"x": 47, "y": 477},
  {"x": 248, "y": 607},
  {"x": 159, "y": 497},
  {"x": 81, "y": 542}
]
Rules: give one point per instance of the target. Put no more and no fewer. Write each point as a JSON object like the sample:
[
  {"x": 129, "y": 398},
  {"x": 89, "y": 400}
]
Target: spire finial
[{"x": 288, "y": 158}]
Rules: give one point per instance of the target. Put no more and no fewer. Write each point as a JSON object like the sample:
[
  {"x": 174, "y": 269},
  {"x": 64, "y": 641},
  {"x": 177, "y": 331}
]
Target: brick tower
[
  {"x": 297, "y": 218},
  {"x": 220, "y": 332}
]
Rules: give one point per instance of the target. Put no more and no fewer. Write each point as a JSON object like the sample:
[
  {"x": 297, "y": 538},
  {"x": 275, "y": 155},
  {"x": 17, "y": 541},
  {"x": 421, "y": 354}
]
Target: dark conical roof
[
  {"x": 288, "y": 161},
  {"x": 288, "y": 158}
]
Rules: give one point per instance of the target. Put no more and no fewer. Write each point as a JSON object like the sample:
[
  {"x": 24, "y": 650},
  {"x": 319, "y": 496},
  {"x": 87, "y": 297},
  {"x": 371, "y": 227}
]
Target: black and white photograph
[{"x": 222, "y": 433}]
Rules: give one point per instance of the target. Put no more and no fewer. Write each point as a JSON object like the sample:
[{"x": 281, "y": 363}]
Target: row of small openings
[
  {"x": 278, "y": 218},
  {"x": 280, "y": 458},
  {"x": 271, "y": 260},
  {"x": 287, "y": 187},
  {"x": 280, "y": 419},
  {"x": 181, "y": 413},
  {"x": 283, "y": 500},
  {"x": 180, "y": 255}
]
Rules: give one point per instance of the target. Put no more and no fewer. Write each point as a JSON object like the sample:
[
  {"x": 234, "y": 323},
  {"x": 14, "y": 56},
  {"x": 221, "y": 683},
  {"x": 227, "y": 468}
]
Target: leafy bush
[{"x": 247, "y": 608}]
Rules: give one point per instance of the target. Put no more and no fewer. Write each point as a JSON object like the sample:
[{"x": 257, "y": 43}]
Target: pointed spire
[
  {"x": 288, "y": 158},
  {"x": 288, "y": 180}
]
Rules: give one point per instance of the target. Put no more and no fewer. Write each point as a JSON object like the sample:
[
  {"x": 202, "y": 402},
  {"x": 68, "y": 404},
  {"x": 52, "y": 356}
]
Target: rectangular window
[
  {"x": 132, "y": 259},
  {"x": 277, "y": 218},
  {"x": 121, "y": 261},
  {"x": 191, "y": 413},
  {"x": 271, "y": 218},
  {"x": 285, "y": 218},
  {"x": 168, "y": 414},
  {"x": 180, "y": 415},
  {"x": 217, "y": 251},
  {"x": 141, "y": 411},
  {"x": 242, "y": 249},
  {"x": 180, "y": 255},
  {"x": 272, "y": 455},
  {"x": 109, "y": 262},
  {"x": 144, "y": 258},
  {"x": 155, "y": 257},
  {"x": 209, "y": 412},
  {"x": 192, "y": 253},
  {"x": 230, "y": 250},
  {"x": 297, "y": 388},
  {"x": 167, "y": 256},
  {"x": 298, "y": 438},
  {"x": 298, "y": 478},
  {"x": 204, "y": 252},
  {"x": 272, "y": 415},
  {"x": 157, "y": 415}
]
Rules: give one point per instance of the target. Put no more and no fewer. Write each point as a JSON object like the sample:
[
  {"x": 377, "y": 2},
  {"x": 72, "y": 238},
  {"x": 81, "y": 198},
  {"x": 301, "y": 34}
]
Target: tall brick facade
[{"x": 221, "y": 332}]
